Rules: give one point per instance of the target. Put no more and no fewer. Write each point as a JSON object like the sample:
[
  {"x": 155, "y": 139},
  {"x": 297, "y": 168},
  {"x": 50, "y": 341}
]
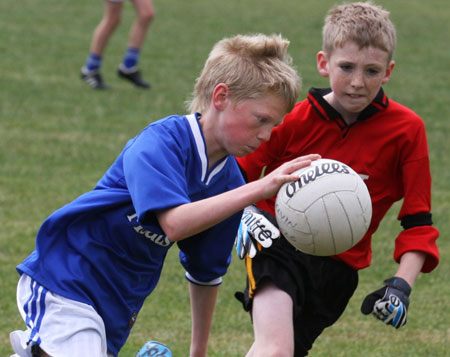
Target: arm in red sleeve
[
  {"x": 422, "y": 239},
  {"x": 419, "y": 234}
]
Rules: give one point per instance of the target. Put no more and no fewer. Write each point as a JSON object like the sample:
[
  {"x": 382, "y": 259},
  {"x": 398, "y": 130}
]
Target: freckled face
[
  {"x": 356, "y": 76},
  {"x": 245, "y": 125}
]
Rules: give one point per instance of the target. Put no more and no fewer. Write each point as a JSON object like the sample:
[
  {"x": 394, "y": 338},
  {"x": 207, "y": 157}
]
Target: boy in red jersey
[{"x": 292, "y": 296}]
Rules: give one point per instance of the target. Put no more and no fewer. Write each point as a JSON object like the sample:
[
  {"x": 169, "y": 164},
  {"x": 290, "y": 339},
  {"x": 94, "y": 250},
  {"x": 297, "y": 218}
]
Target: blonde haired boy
[
  {"x": 294, "y": 296},
  {"x": 98, "y": 257}
]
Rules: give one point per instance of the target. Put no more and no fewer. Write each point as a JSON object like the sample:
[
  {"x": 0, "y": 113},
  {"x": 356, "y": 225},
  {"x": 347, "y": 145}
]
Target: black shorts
[{"x": 320, "y": 288}]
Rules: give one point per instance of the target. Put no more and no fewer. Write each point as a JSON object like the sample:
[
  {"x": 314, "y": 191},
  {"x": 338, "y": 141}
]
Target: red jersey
[{"x": 386, "y": 146}]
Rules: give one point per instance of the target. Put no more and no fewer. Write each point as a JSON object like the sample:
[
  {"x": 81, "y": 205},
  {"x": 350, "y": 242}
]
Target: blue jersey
[{"x": 106, "y": 248}]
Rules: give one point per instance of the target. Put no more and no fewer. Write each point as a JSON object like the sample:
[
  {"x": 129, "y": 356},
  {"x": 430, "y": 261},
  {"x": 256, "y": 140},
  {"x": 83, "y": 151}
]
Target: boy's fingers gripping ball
[{"x": 154, "y": 349}]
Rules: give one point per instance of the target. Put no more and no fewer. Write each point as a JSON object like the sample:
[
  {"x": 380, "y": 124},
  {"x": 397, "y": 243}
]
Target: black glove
[{"x": 390, "y": 303}]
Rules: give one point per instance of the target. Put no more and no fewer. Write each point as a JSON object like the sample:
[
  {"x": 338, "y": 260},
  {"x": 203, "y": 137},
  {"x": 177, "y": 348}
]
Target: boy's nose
[
  {"x": 264, "y": 135},
  {"x": 357, "y": 79}
]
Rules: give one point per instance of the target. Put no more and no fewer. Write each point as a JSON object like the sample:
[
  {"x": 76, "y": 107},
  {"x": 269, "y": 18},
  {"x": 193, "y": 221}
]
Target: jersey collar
[
  {"x": 206, "y": 176},
  {"x": 327, "y": 112}
]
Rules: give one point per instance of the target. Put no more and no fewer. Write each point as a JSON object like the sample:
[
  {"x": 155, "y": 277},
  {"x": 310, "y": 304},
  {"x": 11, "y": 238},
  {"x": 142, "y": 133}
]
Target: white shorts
[{"x": 62, "y": 327}]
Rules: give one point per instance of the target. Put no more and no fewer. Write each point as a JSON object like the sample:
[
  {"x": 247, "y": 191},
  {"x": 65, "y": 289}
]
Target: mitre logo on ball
[{"x": 326, "y": 211}]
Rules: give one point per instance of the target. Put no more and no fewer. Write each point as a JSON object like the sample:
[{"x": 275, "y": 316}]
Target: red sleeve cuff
[{"x": 422, "y": 239}]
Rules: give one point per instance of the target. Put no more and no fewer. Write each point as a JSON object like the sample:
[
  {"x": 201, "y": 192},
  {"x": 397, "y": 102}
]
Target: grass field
[{"x": 57, "y": 137}]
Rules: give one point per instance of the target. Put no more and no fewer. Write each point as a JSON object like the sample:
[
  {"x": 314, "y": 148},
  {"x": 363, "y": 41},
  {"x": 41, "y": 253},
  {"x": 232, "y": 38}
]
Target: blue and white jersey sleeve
[
  {"x": 166, "y": 166},
  {"x": 154, "y": 166}
]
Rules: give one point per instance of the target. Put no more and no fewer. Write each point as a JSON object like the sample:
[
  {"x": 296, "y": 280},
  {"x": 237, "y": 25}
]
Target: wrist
[{"x": 398, "y": 283}]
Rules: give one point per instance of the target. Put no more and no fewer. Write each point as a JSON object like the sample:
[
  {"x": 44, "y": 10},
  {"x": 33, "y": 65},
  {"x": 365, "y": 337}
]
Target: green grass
[{"x": 57, "y": 137}]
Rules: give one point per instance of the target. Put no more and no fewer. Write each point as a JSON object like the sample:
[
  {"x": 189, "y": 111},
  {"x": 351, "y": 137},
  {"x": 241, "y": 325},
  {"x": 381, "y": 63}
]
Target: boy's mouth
[{"x": 356, "y": 96}]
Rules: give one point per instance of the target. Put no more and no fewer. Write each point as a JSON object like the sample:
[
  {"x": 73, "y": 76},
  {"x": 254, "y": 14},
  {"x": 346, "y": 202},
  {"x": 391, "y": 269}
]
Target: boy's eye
[
  {"x": 346, "y": 67},
  {"x": 373, "y": 71},
  {"x": 262, "y": 120}
]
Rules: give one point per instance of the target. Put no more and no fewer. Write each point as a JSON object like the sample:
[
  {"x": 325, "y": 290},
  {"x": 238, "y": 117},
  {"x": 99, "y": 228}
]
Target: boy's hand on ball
[
  {"x": 390, "y": 303},
  {"x": 272, "y": 182},
  {"x": 254, "y": 228}
]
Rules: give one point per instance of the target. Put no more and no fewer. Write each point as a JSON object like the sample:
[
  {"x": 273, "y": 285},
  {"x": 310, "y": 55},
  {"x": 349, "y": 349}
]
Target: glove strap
[{"x": 399, "y": 284}]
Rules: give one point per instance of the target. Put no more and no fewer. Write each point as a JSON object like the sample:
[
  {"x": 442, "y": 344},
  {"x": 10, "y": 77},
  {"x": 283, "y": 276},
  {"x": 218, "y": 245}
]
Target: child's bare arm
[{"x": 189, "y": 219}]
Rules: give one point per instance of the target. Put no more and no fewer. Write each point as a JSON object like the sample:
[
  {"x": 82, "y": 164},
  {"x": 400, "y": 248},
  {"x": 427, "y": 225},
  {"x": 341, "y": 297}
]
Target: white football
[{"x": 326, "y": 211}]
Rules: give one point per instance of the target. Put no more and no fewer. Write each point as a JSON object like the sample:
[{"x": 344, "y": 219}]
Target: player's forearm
[
  {"x": 410, "y": 266},
  {"x": 203, "y": 302},
  {"x": 189, "y": 219}
]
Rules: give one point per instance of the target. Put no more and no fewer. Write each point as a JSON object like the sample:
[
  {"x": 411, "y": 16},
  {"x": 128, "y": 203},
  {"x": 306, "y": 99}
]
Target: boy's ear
[
  {"x": 388, "y": 73},
  {"x": 322, "y": 64},
  {"x": 220, "y": 96}
]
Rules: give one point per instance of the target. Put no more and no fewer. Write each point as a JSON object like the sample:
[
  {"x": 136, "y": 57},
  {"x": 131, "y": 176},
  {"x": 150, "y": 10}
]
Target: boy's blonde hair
[
  {"x": 251, "y": 66},
  {"x": 364, "y": 23}
]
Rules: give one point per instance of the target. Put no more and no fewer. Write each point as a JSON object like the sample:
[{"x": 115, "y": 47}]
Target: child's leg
[
  {"x": 60, "y": 326},
  {"x": 90, "y": 72},
  {"x": 144, "y": 16},
  {"x": 272, "y": 314},
  {"x": 106, "y": 27},
  {"x": 128, "y": 68}
]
